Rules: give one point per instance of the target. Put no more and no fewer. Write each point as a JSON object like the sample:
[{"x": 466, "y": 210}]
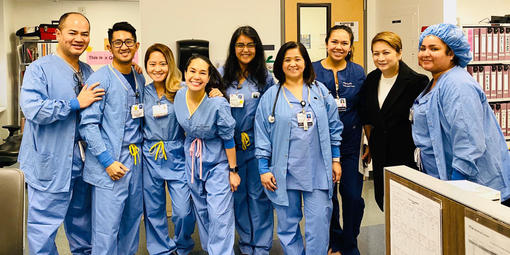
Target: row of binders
[
  {"x": 489, "y": 43},
  {"x": 502, "y": 112},
  {"x": 493, "y": 79},
  {"x": 32, "y": 51}
]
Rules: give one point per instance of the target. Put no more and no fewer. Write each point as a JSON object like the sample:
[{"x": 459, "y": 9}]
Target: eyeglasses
[
  {"x": 242, "y": 45},
  {"x": 129, "y": 43},
  {"x": 78, "y": 78}
]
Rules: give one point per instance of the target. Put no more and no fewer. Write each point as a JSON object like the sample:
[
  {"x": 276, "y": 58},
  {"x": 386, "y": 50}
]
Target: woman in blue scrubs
[
  {"x": 163, "y": 158},
  {"x": 246, "y": 76},
  {"x": 344, "y": 80},
  {"x": 209, "y": 146},
  {"x": 455, "y": 131},
  {"x": 298, "y": 147}
]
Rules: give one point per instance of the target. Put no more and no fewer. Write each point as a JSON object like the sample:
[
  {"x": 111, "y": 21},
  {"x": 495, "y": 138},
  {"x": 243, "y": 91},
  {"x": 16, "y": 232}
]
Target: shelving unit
[{"x": 29, "y": 50}]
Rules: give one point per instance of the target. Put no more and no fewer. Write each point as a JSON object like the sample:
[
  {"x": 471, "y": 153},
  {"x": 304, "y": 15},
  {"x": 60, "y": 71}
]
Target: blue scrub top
[
  {"x": 167, "y": 130},
  {"x": 305, "y": 167},
  {"x": 420, "y": 108},
  {"x": 464, "y": 135},
  {"x": 132, "y": 131},
  {"x": 350, "y": 81},
  {"x": 212, "y": 122},
  {"x": 245, "y": 116}
]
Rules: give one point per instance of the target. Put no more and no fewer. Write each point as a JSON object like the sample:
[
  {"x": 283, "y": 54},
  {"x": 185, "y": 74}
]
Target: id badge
[
  {"x": 137, "y": 111},
  {"x": 309, "y": 118},
  {"x": 159, "y": 110},
  {"x": 255, "y": 94},
  {"x": 341, "y": 103},
  {"x": 236, "y": 100},
  {"x": 301, "y": 119}
]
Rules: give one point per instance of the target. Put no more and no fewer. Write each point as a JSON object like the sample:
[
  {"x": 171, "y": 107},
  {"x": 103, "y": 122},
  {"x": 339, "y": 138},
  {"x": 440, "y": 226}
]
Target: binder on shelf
[
  {"x": 487, "y": 80},
  {"x": 501, "y": 51},
  {"x": 468, "y": 32},
  {"x": 499, "y": 75},
  {"x": 495, "y": 43},
  {"x": 497, "y": 112},
  {"x": 470, "y": 71},
  {"x": 480, "y": 76},
  {"x": 489, "y": 43},
  {"x": 476, "y": 39},
  {"x": 483, "y": 44},
  {"x": 494, "y": 81},
  {"x": 507, "y": 43},
  {"x": 504, "y": 117},
  {"x": 506, "y": 93}
]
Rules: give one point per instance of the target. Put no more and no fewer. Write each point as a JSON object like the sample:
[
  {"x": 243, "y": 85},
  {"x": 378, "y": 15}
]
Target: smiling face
[
  {"x": 293, "y": 64},
  {"x": 339, "y": 45},
  {"x": 157, "y": 67},
  {"x": 433, "y": 55},
  {"x": 245, "y": 49},
  {"x": 197, "y": 75},
  {"x": 385, "y": 58},
  {"x": 74, "y": 38},
  {"x": 123, "y": 46}
]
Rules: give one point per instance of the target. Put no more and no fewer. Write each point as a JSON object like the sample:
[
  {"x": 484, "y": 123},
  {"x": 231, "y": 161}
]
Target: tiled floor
[{"x": 370, "y": 240}]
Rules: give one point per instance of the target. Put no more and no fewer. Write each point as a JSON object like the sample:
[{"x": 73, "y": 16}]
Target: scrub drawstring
[
  {"x": 160, "y": 147},
  {"x": 133, "y": 150},
  {"x": 195, "y": 150},
  {"x": 417, "y": 159},
  {"x": 245, "y": 141}
]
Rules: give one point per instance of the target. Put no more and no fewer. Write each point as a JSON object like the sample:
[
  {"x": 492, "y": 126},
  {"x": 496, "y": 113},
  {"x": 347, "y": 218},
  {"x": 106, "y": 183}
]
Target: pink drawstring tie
[{"x": 195, "y": 150}]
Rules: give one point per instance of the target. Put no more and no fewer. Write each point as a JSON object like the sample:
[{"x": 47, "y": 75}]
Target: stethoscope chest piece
[{"x": 270, "y": 119}]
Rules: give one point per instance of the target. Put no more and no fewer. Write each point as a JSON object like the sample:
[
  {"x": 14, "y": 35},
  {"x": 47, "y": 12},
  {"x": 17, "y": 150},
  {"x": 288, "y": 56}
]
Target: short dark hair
[
  {"x": 308, "y": 73},
  {"x": 214, "y": 76},
  {"x": 256, "y": 68},
  {"x": 121, "y": 26},
  {"x": 351, "y": 37},
  {"x": 64, "y": 17}
]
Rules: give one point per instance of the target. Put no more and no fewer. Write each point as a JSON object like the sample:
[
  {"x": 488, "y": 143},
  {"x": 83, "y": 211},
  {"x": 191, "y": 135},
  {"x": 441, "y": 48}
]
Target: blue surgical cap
[{"x": 452, "y": 36}]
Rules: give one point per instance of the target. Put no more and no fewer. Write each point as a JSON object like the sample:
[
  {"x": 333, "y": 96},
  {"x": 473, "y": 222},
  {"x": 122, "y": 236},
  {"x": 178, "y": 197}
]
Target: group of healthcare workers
[{"x": 231, "y": 145}]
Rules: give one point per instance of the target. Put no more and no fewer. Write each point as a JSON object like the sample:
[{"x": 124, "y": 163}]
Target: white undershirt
[{"x": 385, "y": 85}]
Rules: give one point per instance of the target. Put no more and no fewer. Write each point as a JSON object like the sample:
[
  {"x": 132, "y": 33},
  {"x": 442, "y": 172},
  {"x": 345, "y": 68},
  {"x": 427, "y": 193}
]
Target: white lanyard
[
  {"x": 122, "y": 82},
  {"x": 286, "y": 99}
]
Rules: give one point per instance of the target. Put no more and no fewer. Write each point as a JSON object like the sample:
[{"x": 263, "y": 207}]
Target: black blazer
[{"x": 391, "y": 142}]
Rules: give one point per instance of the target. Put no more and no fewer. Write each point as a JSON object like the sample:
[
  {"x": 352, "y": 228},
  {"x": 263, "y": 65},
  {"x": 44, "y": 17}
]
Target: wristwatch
[
  {"x": 234, "y": 170},
  {"x": 336, "y": 160}
]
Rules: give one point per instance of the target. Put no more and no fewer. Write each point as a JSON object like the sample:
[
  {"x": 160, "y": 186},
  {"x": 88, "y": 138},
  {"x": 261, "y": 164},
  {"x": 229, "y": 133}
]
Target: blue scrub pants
[
  {"x": 116, "y": 213},
  {"x": 317, "y": 208},
  {"x": 156, "y": 223},
  {"x": 214, "y": 207},
  {"x": 46, "y": 211},
  {"x": 253, "y": 210},
  {"x": 353, "y": 205}
]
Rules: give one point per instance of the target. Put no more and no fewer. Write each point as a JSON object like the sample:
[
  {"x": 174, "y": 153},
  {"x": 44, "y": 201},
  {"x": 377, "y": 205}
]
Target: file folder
[
  {"x": 494, "y": 81},
  {"x": 487, "y": 80},
  {"x": 501, "y": 50},
  {"x": 499, "y": 75},
  {"x": 483, "y": 44},
  {"x": 495, "y": 43},
  {"x": 489, "y": 43},
  {"x": 506, "y": 93},
  {"x": 504, "y": 118},
  {"x": 476, "y": 39}
]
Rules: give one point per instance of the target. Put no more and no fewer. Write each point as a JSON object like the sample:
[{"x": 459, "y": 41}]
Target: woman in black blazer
[{"x": 387, "y": 95}]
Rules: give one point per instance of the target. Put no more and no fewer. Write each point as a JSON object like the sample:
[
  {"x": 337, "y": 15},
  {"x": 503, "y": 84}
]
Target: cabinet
[{"x": 490, "y": 67}]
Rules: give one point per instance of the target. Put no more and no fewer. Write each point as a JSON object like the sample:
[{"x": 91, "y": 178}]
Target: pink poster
[{"x": 103, "y": 58}]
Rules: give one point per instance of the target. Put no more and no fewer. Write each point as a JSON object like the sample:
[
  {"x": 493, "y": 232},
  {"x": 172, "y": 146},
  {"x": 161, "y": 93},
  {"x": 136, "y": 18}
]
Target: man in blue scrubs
[
  {"x": 112, "y": 129},
  {"x": 50, "y": 157}
]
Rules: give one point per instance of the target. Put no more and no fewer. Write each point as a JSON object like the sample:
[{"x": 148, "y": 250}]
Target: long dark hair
[
  {"x": 214, "y": 76},
  {"x": 257, "y": 66},
  {"x": 308, "y": 73}
]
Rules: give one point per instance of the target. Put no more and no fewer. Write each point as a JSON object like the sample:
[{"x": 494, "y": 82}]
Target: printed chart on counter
[
  {"x": 481, "y": 240},
  {"x": 415, "y": 222}
]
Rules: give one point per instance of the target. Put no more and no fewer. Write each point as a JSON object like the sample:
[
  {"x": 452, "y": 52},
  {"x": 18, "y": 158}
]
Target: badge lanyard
[
  {"x": 122, "y": 82},
  {"x": 137, "y": 108},
  {"x": 302, "y": 116}
]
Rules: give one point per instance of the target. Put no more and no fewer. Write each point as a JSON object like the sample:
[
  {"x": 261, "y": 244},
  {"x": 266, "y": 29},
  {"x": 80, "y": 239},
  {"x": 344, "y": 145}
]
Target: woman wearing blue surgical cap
[
  {"x": 297, "y": 142},
  {"x": 454, "y": 128},
  {"x": 344, "y": 80}
]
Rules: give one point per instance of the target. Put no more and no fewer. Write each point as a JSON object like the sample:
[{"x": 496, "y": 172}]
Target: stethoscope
[{"x": 271, "y": 118}]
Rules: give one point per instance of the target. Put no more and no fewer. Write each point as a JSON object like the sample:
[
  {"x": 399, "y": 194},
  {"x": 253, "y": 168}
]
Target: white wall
[
  {"x": 413, "y": 14},
  {"x": 472, "y": 11},
  {"x": 15, "y": 14},
  {"x": 169, "y": 21}
]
